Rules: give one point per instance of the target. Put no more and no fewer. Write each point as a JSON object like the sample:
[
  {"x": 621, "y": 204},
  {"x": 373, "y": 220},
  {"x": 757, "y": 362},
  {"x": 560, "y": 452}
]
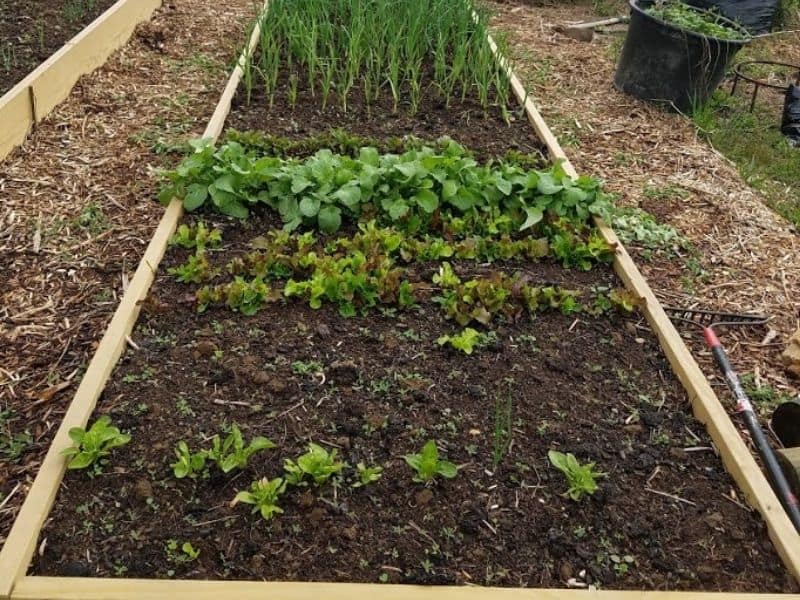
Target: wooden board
[
  {"x": 20, "y": 545},
  {"x": 33, "y": 98},
  {"x": 47, "y": 588}
]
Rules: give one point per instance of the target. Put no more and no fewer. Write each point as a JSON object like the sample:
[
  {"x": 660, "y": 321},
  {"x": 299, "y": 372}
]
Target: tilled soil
[
  {"x": 667, "y": 516},
  {"x": 32, "y": 30},
  {"x": 597, "y": 387}
]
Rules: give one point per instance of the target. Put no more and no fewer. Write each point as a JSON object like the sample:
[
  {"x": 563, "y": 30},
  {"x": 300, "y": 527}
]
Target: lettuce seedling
[
  {"x": 367, "y": 475},
  {"x": 317, "y": 463},
  {"x": 427, "y": 464},
  {"x": 263, "y": 495},
  {"x": 188, "y": 463},
  {"x": 582, "y": 479},
  {"x": 181, "y": 554},
  {"x": 94, "y": 444},
  {"x": 466, "y": 341},
  {"x": 232, "y": 453},
  {"x": 198, "y": 237},
  {"x": 446, "y": 277}
]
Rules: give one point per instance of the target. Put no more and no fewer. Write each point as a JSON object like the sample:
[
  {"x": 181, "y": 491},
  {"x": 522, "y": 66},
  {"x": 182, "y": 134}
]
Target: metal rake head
[{"x": 714, "y": 318}]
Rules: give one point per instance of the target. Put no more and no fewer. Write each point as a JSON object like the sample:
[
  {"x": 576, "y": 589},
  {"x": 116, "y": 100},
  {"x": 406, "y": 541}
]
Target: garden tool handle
[{"x": 745, "y": 408}]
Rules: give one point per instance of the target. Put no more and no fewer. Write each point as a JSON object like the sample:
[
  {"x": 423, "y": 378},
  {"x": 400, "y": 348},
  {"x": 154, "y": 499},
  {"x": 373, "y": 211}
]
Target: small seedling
[
  {"x": 501, "y": 434},
  {"x": 582, "y": 479},
  {"x": 198, "y": 237},
  {"x": 367, "y": 475},
  {"x": 94, "y": 444},
  {"x": 232, "y": 453},
  {"x": 300, "y": 367},
  {"x": 263, "y": 495},
  {"x": 186, "y": 553},
  {"x": 188, "y": 463},
  {"x": 317, "y": 463},
  {"x": 427, "y": 464},
  {"x": 466, "y": 341}
]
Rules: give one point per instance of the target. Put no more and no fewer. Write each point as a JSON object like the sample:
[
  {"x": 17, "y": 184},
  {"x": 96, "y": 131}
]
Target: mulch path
[{"x": 78, "y": 210}]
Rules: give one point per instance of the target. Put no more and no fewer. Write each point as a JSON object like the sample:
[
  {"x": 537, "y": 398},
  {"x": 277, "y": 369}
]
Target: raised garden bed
[
  {"x": 561, "y": 363},
  {"x": 46, "y": 46},
  {"x": 32, "y": 30}
]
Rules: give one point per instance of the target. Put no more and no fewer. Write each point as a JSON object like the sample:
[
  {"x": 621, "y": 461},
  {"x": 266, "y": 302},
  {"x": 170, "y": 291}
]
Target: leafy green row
[
  {"x": 340, "y": 141},
  {"x": 415, "y": 190}
]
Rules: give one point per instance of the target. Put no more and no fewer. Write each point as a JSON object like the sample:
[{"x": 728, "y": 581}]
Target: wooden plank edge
[
  {"x": 708, "y": 409},
  {"x": 20, "y": 544},
  {"x": 24, "y": 105},
  {"x": 68, "y": 588}
]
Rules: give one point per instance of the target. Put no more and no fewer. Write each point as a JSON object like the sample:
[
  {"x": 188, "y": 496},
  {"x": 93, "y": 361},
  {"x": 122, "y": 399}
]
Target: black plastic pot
[{"x": 664, "y": 63}]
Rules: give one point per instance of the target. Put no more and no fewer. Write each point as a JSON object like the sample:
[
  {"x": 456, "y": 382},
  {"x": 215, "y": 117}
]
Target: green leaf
[
  {"x": 309, "y": 206},
  {"x": 261, "y": 443},
  {"x": 558, "y": 459},
  {"x": 300, "y": 183},
  {"x": 196, "y": 195},
  {"x": 398, "y": 209},
  {"x": 534, "y": 215},
  {"x": 503, "y": 185},
  {"x": 81, "y": 461},
  {"x": 226, "y": 183},
  {"x": 329, "y": 219},
  {"x": 369, "y": 156},
  {"x": 449, "y": 188},
  {"x": 447, "y": 469},
  {"x": 427, "y": 200},
  {"x": 234, "y": 208},
  {"x": 547, "y": 185},
  {"x": 350, "y": 196}
]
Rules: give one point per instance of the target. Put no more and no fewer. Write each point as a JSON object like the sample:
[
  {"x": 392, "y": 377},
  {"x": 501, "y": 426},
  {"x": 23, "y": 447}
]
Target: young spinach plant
[
  {"x": 426, "y": 464},
  {"x": 367, "y": 475},
  {"x": 318, "y": 464},
  {"x": 582, "y": 479},
  {"x": 188, "y": 463},
  {"x": 96, "y": 443},
  {"x": 232, "y": 453},
  {"x": 263, "y": 495}
]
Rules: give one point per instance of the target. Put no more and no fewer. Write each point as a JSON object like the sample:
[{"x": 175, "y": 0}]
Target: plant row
[
  {"x": 316, "y": 467},
  {"x": 421, "y": 189},
  {"x": 400, "y": 48},
  {"x": 376, "y": 267}
]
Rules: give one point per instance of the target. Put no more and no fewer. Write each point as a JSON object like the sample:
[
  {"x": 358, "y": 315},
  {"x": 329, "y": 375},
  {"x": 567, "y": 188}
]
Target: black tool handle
[{"x": 745, "y": 408}]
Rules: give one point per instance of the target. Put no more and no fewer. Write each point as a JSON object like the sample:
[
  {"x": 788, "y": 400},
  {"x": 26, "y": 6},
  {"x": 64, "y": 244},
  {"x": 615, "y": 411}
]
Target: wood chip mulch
[{"x": 77, "y": 210}]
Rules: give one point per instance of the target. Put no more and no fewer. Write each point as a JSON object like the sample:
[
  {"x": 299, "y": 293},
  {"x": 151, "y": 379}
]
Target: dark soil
[
  {"x": 598, "y": 388},
  {"x": 32, "y": 30},
  {"x": 466, "y": 122},
  {"x": 667, "y": 516}
]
